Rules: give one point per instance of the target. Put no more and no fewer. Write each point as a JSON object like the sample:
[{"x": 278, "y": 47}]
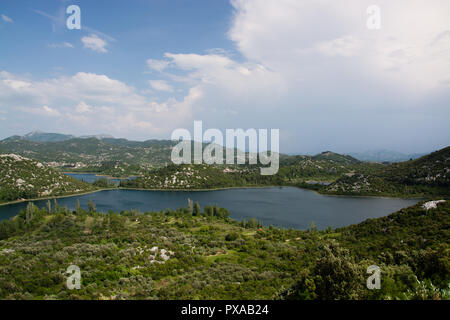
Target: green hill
[
  {"x": 428, "y": 175},
  {"x": 202, "y": 254},
  {"x": 327, "y": 166},
  {"x": 336, "y": 157},
  {"x": 345, "y": 175},
  {"x": 22, "y": 178},
  {"x": 110, "y": 156},
  {"x": 201, "y": 177}
]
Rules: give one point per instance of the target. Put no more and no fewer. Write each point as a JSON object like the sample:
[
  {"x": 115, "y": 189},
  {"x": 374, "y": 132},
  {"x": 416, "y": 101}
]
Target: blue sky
[
  {"x": 140, "y": 69},
  {"x": 141, "y": 30}
]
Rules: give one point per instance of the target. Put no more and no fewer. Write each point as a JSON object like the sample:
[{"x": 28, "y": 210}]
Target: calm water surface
[
  {"x": 279, "y": 206},
  {"x": 90, "y": 177}
]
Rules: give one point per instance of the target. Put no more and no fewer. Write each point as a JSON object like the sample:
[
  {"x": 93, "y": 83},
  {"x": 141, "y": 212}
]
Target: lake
[
  {"x": 91, "y": 177},
  {"x": 288, "y": 207}
]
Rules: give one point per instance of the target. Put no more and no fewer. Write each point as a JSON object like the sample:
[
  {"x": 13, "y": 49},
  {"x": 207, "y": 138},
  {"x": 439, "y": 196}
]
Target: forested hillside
[
  {"x": 111, "y": 156},
  {"x": 201, "y": 177},
  {"x": 428, "y": 175},
  {"x": 327, "y": 172},
  {"x": 195, "y": 253}
]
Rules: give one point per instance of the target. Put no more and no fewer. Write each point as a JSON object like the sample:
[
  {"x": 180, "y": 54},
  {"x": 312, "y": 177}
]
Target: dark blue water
[{"x": 280, "y": 206}]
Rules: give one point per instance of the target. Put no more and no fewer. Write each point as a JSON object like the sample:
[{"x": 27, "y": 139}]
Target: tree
[
  {"x": 231, "y": 236},
  {"x": 337, "y": 276},
  {"x": 190, "y": 206},
  {"x": 197, "y": 209},
  {"x": 29, "y": 212},
  {"x": 77, "y": 206},
  {"x": 209, "y": 211},
  {"x": 91, "y": 206},
  {"x": 49, "y": 207}
]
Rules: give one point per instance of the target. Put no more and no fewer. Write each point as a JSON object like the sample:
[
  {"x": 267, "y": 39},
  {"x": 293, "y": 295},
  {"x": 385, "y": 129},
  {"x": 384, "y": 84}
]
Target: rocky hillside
[
  {"x": 201, "y": 177},
  {"x": 326, "y": 166},
  {"x": 432, "y": 169},
  {"x": 336, "y": 157},
  {"x": 107, "y": 155},
  {"x": 22, "y": 178},
  {"x": 294, "y": 170},
  {"x": 428, "y": 175}
]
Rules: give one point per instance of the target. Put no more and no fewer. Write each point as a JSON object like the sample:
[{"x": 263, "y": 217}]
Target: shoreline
[
  {"x": 50, "y": 198},
  {"x": 98, "y": 175},
  {"x": 376, "y": 197},
  {"x": 404, "y": 197},
  {"x": 210, "y": 189},
  {"x": 204, "y": 190}
]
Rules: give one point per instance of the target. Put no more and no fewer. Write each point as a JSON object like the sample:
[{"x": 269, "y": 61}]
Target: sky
[{"x": 314, "y": 69}]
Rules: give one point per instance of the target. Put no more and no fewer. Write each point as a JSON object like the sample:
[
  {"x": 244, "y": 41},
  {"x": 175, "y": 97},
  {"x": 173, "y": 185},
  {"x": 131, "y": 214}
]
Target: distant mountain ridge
[
  {"x": 383, "y": 155},
  {"x": 118, "y": 157},
  {"x": 41, "y": 136},
  {"x": 342, "y": 173}
]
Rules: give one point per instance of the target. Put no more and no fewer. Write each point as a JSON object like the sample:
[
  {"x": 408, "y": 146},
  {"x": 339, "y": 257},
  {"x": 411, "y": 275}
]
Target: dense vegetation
[
  {"x": 294, "y": 170},
  {"x": 426, "y": 176},
  {"x": 109, "y": 156},
  {"x": 201, "y": 177},
  {"x": 326, "y": 172},
  {"x": 192, "y": 253},
  {"x": 22, "y": 178}
]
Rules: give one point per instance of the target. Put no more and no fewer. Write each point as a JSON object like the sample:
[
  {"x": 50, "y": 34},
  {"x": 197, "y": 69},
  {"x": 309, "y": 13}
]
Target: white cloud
[
  {"x": 5, "y": 18},
  {"x": 295, "y": 49},
  {"x": 286, "y": 35},
  {"x": 91, "y": 101},
  {"x": 61, "y": 45},
  {"x": 219, "y": 72},
  {"x": 44, "y": 111},
  {"x": 51, "y": 112},
  {"x": 161, "y": 85},
  {"x": 345, "y": 46},
  {"x": 308, "y": 64},
  {"x": 157, "y": 65},
  {"x": 95, "y": 43},
  {"x": 82, "y": 107},
  {"x": 303, "y": 65}
]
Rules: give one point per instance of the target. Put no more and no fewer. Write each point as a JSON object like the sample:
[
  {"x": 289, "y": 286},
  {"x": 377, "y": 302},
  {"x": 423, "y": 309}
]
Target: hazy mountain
[
  {"x": 98, "y": 136},
  {"x": 40, "y": 136},
  {"x": 384, "y": 156}
]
